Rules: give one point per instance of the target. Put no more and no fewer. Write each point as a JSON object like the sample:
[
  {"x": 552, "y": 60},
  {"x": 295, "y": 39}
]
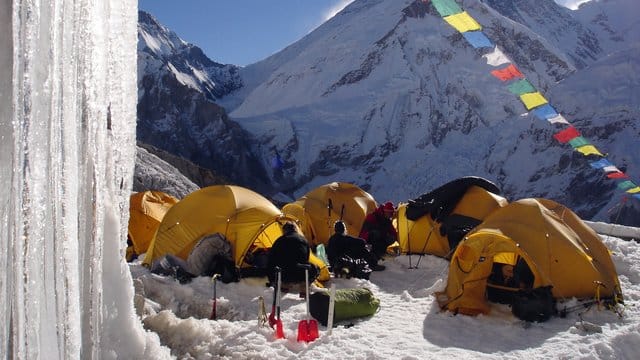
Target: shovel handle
[
  {"x": 214, "y": 278},
  {"x": 332, "y": 302}
]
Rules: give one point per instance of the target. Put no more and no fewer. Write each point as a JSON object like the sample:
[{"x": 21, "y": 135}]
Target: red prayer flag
[
  {"x": 507, "y": 73},
  {"x": 567, "y": 134},
  {"x": 617, "y": 175}
]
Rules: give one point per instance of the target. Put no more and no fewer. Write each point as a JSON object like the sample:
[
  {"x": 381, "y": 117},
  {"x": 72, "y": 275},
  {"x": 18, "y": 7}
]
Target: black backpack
[{"x": 534, "y": 304}]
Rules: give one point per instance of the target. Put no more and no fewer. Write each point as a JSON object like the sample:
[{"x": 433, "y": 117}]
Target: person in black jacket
[
  {"x": 341, "y": 244},
  {"x": 288, "y": 252}
]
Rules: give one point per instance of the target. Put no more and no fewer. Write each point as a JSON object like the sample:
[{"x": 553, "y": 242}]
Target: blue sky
[{"x": 241, "y": 32}]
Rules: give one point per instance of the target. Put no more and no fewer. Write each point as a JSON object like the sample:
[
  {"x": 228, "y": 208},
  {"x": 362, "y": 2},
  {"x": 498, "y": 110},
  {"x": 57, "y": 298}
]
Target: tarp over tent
[
  {"x": 558, "y": 248},
  {"x": 146, "y": 210},
  {"x": 321, "y": 207},
  {"x": 435, "y": 222},
  {"x": 246, "y": 219}
]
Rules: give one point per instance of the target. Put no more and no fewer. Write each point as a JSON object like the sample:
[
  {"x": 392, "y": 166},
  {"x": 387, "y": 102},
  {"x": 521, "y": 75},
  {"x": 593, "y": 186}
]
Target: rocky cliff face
[
  {"x": 153, "y": 173},
  {"x": 178, "y": 86}
]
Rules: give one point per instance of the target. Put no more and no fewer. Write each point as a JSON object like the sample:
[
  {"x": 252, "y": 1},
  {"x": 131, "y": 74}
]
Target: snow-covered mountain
[
  {"x": 178, "y": 86},
  {"x": 390, "y": 97}
]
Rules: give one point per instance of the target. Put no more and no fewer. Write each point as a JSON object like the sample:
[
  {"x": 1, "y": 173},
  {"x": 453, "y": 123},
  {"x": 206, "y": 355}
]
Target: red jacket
[{"x": 378, "y": 221}]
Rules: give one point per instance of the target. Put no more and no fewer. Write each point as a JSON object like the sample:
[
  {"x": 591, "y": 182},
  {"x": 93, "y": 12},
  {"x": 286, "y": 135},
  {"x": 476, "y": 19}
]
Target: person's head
[
  {"x": 388, "y": 209},
  {"x": 507, "y": 271},
  {"x": 339, "y": 227},
  {"x": 289, "y": 227}
]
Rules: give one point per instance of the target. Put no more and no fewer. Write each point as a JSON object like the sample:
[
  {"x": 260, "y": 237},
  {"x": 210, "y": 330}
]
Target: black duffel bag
[{"x": 534, "y": 304}]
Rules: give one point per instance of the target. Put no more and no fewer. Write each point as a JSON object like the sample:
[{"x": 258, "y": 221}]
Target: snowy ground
[{"x": 409, "y": 324}]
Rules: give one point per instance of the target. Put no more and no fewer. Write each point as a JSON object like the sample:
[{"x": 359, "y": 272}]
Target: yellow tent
[
  {"x": 558, "y": 249},
  {"x": 146, "y": 210},
  {"x": 246, "y": 219},
  {"x": 321, "y": 207},
  {"x": 437, "y": 231}
]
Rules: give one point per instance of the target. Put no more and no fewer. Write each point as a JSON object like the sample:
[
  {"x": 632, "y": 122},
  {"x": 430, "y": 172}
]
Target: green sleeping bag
[{"x": 349, "y": 304}]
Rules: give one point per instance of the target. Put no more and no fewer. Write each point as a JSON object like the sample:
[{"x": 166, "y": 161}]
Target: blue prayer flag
[
  {"x": 545, "y": 112},
  {"x": 477, "y": 39},
  {"x": 600, "y": 164}
]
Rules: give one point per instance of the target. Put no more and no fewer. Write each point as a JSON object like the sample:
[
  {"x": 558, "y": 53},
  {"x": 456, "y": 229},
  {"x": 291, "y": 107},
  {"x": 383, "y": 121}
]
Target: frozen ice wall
[{"x": 67, "y": 126}]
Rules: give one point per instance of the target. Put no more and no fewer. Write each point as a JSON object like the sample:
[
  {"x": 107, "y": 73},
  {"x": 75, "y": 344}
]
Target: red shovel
[
  {"x": 308, "y": 328},
  {"x": 279, "y": 329},
  {"x": 276, "y": 299},
  {"x": 276, "y": 291}
]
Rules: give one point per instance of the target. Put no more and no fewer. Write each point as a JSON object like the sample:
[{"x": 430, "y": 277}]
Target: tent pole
[{"x": 424, "y": 248}]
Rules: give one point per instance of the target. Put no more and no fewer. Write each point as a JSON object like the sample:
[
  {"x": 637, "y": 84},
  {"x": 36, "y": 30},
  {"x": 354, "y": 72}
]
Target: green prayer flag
[
  {"x": 446, "y": 7},
  {"x": 576, "y": 142},
  {"x": 521, "y": 87},
  {"x": 625, "y": 185}
]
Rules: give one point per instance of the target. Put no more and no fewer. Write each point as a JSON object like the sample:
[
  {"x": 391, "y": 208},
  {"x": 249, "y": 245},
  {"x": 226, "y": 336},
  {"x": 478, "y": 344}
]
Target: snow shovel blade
[
  {"x": 303, "y": 331},
  {"x": 313, "y": 330},
  {"x": 307, "y": 330},
  {"x": 279, "y": 330},
  {"x": 272, "y": 317}
]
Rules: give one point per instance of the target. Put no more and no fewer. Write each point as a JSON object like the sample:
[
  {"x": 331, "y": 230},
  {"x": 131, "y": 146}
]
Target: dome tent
[
  {"x": 246, "y": 219},
  {"x": 146, "y": 211},
  {"x": 321, "y": 207},
  {"x": 435, "y": 222},
  {"x": 560, "y": 251}
]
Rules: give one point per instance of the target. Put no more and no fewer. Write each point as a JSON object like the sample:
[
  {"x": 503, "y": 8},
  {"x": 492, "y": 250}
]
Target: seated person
[
  {"x": 506, "y": 275},
  {"x": 378, "y": 230},
  {"x": 288, "y": 252},
  {"x": 341, "y": 244}
]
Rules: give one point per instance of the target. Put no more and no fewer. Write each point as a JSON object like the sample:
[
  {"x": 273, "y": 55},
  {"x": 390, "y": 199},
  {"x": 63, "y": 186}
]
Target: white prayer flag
[
  {"x": 496, "y": 58},
  {"x": 558, "y": 119}
]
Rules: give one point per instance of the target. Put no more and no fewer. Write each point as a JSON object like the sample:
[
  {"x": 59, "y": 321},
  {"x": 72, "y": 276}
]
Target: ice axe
[
  {"x": 308, "y": 328},
  {"x": 214, "y": 278}
]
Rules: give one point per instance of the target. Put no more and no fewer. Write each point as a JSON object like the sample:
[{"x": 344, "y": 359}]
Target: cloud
[
  {"x": 571, "y": 4},
  {"x": 331, "y": 12}
]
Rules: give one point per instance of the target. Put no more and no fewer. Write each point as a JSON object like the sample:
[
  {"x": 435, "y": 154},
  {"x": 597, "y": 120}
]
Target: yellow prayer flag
[
  {"x": 463, "y": 22},
  {"x": 589, "y": 150},
  {"x": 533, "y": 100},
  {"x": 634, "y": 190}
]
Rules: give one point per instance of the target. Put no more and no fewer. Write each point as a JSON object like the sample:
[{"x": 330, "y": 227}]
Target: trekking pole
[
  {"x": 341, "y": 212},
  {"x": 214, "y": 278}
]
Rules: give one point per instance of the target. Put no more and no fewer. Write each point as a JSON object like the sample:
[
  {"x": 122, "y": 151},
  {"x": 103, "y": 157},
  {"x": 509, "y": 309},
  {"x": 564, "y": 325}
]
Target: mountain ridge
[{"x": 388, "y": 96}]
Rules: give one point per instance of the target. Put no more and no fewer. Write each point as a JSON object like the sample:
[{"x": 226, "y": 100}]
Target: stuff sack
[
  {"x": 212, "y": 255},
  {"x": 349, "y": 304},
  {"x": 349, "y": 267},
  {"x": 534, "y": 304}
]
